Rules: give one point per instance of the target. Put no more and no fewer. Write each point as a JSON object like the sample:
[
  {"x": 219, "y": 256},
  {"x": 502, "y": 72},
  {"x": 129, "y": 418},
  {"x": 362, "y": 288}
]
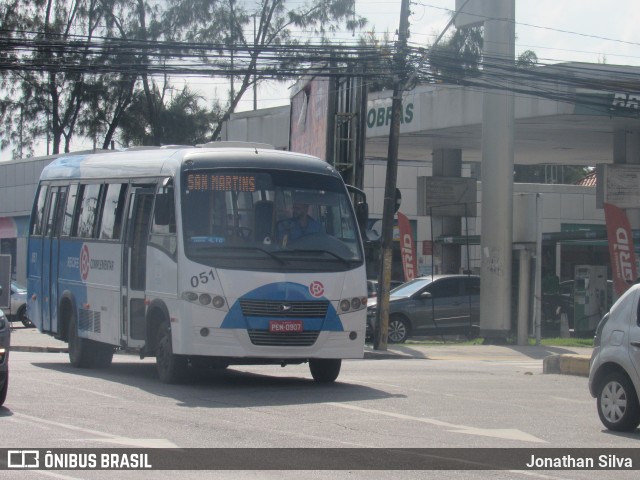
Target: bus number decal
[{"x": 202, "y": 277}]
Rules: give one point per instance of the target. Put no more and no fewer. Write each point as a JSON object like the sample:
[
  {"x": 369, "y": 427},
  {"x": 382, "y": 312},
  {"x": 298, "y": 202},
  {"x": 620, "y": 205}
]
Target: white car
[{"x": 614, "y": 375}]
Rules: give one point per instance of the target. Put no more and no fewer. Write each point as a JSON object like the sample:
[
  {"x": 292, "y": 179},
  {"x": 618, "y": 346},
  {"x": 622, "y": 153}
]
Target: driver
[{"x": 299, "y": 225}]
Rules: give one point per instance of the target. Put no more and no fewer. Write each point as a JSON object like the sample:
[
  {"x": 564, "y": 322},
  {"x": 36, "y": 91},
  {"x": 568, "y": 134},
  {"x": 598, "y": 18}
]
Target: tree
[
  {"x": 458, "y": 57},
  {"x": 182, "y": 121},
  {"x": 49, "y": 101},
  {"x": 72, "y": 102},
  {"x": 274, "y": 26}
]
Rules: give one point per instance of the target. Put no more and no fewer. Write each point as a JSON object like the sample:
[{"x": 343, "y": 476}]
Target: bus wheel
[
  {"x": 85, "y": 353},
  {"x": 22, "y": 316},
  {"x": 102, "y": 354},
  {"x": 171, "y": 367},
  {"x": 325, "y": 370},
  {"x": 78, "y": 355}
]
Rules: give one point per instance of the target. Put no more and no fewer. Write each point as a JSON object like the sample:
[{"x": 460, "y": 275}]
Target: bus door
[
  {"x": 50, "y": 258},
  {"x": 135, "y": 266}
]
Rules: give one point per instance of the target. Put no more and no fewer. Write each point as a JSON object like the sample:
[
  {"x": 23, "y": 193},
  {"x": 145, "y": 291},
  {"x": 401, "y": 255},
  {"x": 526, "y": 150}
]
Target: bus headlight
[
  {"x": 190, "y": 296},
  {"x": 205, "y": 299},
  {"x": 352, "y": 304},
  {"x": 218, "y": 301}
]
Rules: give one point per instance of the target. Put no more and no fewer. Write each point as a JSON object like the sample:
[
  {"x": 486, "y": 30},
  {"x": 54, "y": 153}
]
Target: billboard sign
[
  {"x": 309, "y": 123},
  {"x": 620, "y": 239}
]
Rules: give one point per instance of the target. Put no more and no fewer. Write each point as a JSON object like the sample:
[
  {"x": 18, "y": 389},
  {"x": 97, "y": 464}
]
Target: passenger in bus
[{"x": 299, "y": 225}]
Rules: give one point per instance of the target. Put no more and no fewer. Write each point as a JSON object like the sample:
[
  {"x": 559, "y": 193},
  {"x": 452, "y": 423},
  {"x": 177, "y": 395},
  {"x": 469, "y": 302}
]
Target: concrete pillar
[
  {"x": 447, "y": 163},
  {"x": 497, "y": 172}
]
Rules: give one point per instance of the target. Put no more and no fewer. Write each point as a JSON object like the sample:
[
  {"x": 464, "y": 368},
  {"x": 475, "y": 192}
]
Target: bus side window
[
  {"x": 69, "y": 212},
  {"x": 112, "y": 210},
  {"x": 38, "y": 211},
  {"x": 88, "y": 212}
]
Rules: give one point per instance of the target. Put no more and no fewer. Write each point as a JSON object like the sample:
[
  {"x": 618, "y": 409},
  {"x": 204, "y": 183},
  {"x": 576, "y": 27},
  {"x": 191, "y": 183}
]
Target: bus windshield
[{"x": 268, "y": 219}]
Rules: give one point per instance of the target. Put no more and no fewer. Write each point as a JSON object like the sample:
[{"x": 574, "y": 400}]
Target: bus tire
[
  {"x": 101, "y": 353},
  {"x": 22, "y": 316},
  {"x": 85, "y": 353},
  {"x": 171, "y": 368},
  {"x": 325, "y": 370},
  {"x": 77, "y": 346}
]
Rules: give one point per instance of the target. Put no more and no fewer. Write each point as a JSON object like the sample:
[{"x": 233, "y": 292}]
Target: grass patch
[
  {"x": 564, "y": 342},
  {"x": 453, "y": 340}
]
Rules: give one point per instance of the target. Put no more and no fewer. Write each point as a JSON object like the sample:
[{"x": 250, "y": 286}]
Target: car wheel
[
  {"x": 617, "y": 402},
  {"x": 325, "y": 370},
  {"x": 22, "y": 316},
  {"x": 398, "y": 330},
  {"x": 5, "y": 388},
  {"x": 171, "y": 368}
]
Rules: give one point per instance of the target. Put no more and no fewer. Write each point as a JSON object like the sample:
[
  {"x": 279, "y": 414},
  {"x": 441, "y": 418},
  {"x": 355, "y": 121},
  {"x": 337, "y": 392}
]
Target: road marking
[
  {"x": 504, "y": 433},
  {"x": 84, "y": 390},
  {"x": 103, "y": 436}
]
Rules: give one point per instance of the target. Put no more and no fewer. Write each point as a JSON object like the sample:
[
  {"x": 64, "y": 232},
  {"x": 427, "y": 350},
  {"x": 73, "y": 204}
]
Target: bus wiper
[
  {"x": 266, "y": 252},
  {"x": 335, "y": 255}
]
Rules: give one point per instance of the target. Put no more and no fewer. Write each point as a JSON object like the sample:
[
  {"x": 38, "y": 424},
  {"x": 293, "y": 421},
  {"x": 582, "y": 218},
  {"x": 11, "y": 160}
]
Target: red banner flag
[
  {"x": 623, "y": 258},
  {"x": 407, "y": 248}
]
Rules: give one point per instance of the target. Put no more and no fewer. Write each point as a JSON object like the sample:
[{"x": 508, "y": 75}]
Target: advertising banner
[
  {"x": 620, "y": 237},
  {"x": 407, "y": 248}
]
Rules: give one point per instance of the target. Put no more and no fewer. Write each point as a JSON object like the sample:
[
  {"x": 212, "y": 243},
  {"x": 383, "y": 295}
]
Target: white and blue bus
[{"x": 193, "y": 255}]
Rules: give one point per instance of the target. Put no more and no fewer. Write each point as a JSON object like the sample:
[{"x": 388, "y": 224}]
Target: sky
[{"x": 556, "y": 30}]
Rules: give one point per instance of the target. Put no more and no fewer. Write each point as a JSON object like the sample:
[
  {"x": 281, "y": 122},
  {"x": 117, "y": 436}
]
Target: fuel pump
[{"x": 590, "y": 300}]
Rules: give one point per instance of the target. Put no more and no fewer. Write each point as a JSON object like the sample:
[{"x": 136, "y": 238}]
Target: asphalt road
[{"x": 458, "y": 403}]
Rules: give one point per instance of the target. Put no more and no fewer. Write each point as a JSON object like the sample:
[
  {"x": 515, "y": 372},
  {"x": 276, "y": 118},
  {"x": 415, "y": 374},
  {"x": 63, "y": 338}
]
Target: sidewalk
[{"x": 563, "y": 360}]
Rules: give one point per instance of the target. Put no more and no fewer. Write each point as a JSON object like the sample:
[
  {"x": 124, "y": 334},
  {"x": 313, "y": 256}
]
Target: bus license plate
[{"x": 285, "y": 326}]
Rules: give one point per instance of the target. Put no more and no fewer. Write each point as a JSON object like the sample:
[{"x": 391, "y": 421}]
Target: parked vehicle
[
  {"x": 432, "y": 305},
  {"x": 5, "y": 335},
  {"x": 614, "y": 375},
  {"x": 18, "y": 308},
  {"x": 372, "y": 287}
]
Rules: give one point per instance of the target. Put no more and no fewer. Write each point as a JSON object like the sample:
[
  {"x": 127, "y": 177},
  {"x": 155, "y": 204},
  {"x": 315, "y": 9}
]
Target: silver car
[
  {"x": 614, "y": 374},
  {"x": 18, "y": 306}
]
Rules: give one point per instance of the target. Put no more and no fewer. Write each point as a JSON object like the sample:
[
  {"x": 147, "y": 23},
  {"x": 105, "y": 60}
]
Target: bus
[{"x": 191, "y": 255}]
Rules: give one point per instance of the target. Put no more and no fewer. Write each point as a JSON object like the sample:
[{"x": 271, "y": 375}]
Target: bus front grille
[
  {"x": 297, "y": 339},
  {"x": 284, "y": 309}
]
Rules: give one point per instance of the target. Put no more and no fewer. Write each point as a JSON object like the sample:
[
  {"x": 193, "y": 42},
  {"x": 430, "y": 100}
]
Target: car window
[
  {"x": 446, "y": 287},
  {"x": 472, "y": 286}
]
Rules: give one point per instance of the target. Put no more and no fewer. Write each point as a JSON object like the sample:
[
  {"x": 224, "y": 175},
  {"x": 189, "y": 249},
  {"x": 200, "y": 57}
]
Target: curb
[
  {"x": 25, "y": 348},
  {"x": 567, "y": 364},
  {"x": 385, "y": 355}
]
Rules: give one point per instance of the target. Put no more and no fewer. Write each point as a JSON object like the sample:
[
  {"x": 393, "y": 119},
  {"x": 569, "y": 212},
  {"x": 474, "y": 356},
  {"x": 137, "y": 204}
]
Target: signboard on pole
[
  {"x": 407, "y": 248},
  {"x": 620, "y": 237},
  {"x": 447, "y": 196}
]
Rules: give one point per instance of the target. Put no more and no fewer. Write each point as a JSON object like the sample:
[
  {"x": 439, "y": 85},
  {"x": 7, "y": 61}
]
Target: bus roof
[{"x": 166, "y": 161}]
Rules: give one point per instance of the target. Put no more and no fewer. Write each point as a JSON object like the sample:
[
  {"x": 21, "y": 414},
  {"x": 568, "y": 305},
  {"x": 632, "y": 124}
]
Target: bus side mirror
[
  {"x": 162, "y": 213},
  {"x": 362, "y": 216}
]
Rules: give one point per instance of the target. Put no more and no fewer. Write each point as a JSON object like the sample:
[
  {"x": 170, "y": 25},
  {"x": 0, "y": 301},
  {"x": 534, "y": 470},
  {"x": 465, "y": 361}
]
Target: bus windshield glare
[{"x": 268, "y": 219}]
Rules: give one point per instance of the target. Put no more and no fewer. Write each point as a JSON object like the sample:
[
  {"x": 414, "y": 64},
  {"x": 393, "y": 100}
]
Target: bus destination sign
[{"x": 221, "y": 183}]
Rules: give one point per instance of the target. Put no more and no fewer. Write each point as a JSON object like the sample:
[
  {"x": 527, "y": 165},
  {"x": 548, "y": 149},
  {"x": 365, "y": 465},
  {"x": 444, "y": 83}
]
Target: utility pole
[
  {"x": 384, "y": 281},
  {"x": 233, "y": 46}
]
